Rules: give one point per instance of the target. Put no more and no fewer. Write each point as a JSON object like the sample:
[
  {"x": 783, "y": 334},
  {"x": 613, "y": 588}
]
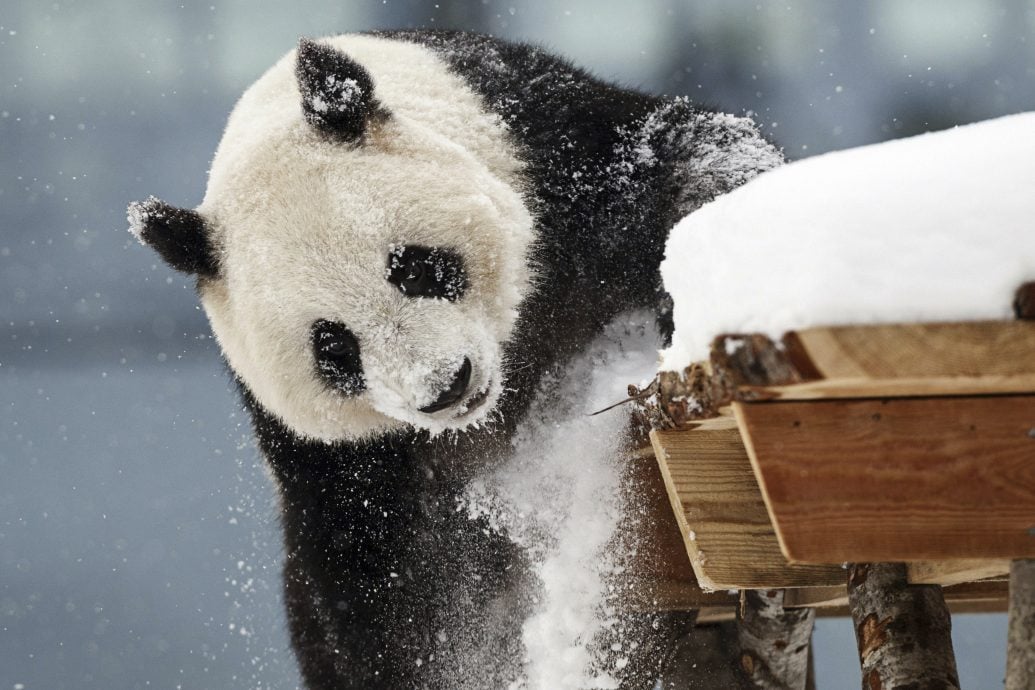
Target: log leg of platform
[
  {"x": 1020, "y": 654},
  {"x": 774, "y": 642},
  {"x": 904, "y": 631}
]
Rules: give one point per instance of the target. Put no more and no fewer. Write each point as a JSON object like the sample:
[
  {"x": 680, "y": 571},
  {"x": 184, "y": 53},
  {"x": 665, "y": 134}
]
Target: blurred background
[{"x": 138, "y": 537}]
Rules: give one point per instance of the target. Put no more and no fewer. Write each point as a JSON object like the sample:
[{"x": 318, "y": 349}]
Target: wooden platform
[{"x": 911, "y": 443}]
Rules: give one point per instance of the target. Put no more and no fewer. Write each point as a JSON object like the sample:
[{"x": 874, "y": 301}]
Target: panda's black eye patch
[
  {"x": 337, "y": 357},
  {"x": 426, "y": 272}
]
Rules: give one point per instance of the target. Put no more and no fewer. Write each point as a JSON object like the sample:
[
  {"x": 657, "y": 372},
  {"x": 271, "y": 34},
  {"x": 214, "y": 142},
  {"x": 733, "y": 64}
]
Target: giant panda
[{"x": 403, "y": 233}]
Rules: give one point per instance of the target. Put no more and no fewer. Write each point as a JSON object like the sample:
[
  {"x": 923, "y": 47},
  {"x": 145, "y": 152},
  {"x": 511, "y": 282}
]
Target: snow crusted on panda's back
[{"x": 937, "y": 227}]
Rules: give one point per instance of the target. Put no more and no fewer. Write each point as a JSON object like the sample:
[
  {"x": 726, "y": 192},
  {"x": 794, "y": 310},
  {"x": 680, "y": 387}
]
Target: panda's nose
[{"x": 455, "y": 391}]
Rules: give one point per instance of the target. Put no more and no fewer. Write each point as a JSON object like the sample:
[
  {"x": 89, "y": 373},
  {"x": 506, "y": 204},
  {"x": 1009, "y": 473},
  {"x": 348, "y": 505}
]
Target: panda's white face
[{"x": 367, "y": 285}]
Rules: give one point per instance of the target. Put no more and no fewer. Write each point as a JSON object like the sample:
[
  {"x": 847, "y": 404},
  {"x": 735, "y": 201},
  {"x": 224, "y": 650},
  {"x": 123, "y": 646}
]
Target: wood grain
[
  {"x": 965, "y": 606},
  {"x": 991, "y": 594},
  {"x": 676, "y": 595},
  {"x": 946, "y": 573},
  {"x": 658, "y": 577},
  {"x": 975, "y": 358},
  {"x": 720, "y": 512},
  {"x": 826, "y": 389},
  {"x": 930, "y": 350},
  {"x": 897, "y": 480}
]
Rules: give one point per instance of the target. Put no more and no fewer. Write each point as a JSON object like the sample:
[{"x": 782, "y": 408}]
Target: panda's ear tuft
[
  {"x": 337, "y": 92},
  {"x": 179, "y": 235}
]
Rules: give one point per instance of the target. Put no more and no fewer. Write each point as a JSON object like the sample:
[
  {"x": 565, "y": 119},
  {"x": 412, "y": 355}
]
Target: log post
[
  {"x": 1020, "y": 646},
  {"x": 1020, "y": 651},
  {"x": 903, "y": 631},
  {"x": 774, "y": 642}
]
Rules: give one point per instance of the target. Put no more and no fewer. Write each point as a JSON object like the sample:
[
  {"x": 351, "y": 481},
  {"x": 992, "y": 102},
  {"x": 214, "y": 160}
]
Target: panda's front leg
[
  {"x": 353, "y": 611},
  {"x": 387, "y": 584},
  {"x": 440, "y": 606}
]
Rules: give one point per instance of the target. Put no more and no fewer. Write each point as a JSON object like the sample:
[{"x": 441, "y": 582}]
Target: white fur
[{"x": 303, "y": 227}]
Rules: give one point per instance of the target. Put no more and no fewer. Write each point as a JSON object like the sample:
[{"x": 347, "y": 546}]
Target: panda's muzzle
[{"x": 455, "y": 392}]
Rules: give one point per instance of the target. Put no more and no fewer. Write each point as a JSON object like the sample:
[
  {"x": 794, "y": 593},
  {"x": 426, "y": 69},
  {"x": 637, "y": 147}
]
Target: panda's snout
[{"x": 454, "y": 392}]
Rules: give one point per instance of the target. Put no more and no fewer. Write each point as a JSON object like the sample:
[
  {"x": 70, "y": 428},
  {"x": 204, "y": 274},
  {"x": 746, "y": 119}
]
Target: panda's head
[{"x": 362, "y": 247}]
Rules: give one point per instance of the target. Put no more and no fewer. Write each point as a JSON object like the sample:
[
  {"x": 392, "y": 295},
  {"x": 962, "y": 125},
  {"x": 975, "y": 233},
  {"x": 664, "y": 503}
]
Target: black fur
[
  {"x": 387, "y": 584},
  {"x": 177, "y": 234},
  {"x": 337, "y": 354},
  {"x": 427, "y": 272},
  {"x": 337, "y": 93}
]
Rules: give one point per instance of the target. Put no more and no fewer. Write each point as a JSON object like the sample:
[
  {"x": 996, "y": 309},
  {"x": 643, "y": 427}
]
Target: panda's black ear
[
  {"x": 179, "y": 235},
  {"x": 337, "y": 93}
]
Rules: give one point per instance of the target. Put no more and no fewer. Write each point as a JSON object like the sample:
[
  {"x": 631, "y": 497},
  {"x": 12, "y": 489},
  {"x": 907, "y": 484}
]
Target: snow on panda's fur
[{"x": 403, "y": 232}]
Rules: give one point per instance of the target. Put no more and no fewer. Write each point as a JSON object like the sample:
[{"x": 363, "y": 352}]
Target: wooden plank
[
  {"x": 929, "y": 350},
  {"x": 982, "y": 606},
  {"x": 927, "y": 359},
  {"x": 659, "y": 576},
  {"x": 897, "y": 480},
  {"x": 992, "y": 594},
  {"x": 721, "y": 515},
  {"x": 985, "y": 596},
  {"x": 716, "y": 614},
  {"x": 955, "y": 607},
  {"x": 826, "y": 389},
  {"x": 817, "y": 597},
  {"x": 676, "y": 595},
  {"x": 954, "y": 572}
]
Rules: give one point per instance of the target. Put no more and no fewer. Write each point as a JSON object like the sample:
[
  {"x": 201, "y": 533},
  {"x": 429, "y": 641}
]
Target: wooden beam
[
  {"x": 827, "y": 389},
  {"x": 954, "y": 572},
  {"x": 659, "y": 576},
  {"x": 721, "y": 515},
  {"x": 927, "y": 350},
  {"x": 676, "y": 595},
  {"x": 991, "y": 595},
  {"x": 897, "y": 480},
  {"x": 975, "y": 358}
]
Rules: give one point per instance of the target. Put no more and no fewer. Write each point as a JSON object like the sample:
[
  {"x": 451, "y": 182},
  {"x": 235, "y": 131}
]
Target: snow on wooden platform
[{"x": 938, "y": 227}]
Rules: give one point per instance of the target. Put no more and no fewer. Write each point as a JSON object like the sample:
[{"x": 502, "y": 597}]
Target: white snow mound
[{"x": 937, "y": 227}]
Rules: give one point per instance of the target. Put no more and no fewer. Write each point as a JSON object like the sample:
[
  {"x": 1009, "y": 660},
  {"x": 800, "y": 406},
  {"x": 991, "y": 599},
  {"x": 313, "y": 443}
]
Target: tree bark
[
  {"x": 1020, "y": 654},
  {"x": 775, "y": 643},
  {"x": 903, "y": 631}
]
